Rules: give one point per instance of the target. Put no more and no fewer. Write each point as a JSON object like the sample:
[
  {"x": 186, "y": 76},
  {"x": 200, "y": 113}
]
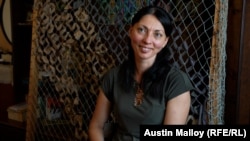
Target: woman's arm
[
  {"x": 177, "y": 109},
  {"x": 100, "y": 116}
]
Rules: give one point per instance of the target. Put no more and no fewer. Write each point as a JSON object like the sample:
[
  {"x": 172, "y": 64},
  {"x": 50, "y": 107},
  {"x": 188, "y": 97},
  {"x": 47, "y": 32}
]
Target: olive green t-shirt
[{"x": 151, "y": 111}]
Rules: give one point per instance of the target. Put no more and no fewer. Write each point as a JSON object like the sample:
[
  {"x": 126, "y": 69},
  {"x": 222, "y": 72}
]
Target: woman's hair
[
  {"x": 161, "y": 14},
  {"x": 160, "y": 68}
]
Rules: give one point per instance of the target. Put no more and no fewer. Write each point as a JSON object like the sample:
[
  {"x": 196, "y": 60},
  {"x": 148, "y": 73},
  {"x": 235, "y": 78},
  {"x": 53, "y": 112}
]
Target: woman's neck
[{"x": 141, "y": 67}]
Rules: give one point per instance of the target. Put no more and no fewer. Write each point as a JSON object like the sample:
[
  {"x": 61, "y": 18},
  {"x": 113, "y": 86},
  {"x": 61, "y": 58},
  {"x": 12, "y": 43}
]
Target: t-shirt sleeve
[
  {"x": 107, "y": 84},
  {"x": 177, "y": 83}
]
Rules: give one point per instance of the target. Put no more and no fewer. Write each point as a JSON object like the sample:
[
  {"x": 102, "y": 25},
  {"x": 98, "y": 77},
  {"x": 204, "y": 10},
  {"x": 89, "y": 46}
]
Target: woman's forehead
[{"x": 150, "y": 21}]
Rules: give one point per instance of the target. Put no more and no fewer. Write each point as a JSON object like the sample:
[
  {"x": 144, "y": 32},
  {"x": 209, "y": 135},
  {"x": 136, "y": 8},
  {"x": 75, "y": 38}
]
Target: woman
[{"x": 144, "y": 89}]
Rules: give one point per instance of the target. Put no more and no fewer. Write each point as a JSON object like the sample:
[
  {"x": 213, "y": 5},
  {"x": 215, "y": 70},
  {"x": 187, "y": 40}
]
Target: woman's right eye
[{"x": 141, "y": 30}]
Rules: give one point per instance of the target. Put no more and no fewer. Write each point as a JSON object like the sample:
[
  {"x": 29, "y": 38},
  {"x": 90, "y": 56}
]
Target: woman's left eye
[{"x": 158, "y": 35}]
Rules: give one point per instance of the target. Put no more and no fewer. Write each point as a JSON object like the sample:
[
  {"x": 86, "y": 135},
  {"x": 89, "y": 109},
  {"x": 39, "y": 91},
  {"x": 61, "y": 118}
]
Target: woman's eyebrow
[{"x": 157, "y": 30}]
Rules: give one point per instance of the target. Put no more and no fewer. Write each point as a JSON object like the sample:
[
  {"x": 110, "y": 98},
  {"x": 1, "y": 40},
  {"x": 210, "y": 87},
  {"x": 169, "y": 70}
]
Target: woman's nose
[{"x": 147, "y": 38}]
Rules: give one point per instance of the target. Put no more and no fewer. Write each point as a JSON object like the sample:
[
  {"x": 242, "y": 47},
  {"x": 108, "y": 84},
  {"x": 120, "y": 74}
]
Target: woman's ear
[{"x": 166, "y": 41}]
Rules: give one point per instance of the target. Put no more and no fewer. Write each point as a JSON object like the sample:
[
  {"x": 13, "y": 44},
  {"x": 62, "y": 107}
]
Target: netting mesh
[{"x": 74, "y": 42}]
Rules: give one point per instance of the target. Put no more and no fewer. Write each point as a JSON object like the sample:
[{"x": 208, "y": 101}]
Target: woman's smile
[{"x": 145, "y": 49}]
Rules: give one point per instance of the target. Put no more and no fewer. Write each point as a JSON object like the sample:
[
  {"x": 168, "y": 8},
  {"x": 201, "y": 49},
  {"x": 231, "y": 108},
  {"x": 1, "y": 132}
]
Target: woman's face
[{"x": 147, "y": 37}]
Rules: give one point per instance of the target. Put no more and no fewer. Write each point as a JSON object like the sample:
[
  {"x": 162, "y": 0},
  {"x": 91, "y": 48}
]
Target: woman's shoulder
[
  {"x": 112, "y": 71},
  {"x": 177, "y": 75},
  {"x": 177, "y": 82},
  {"x": 175, "y": 72}
]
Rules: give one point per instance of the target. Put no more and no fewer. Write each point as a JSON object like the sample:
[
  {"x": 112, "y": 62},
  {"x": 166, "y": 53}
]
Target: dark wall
[{"x": 237, "y": 108}]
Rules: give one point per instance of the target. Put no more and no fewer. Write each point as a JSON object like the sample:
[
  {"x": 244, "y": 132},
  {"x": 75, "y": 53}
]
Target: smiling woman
[{"x": 5, "y": 26}]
